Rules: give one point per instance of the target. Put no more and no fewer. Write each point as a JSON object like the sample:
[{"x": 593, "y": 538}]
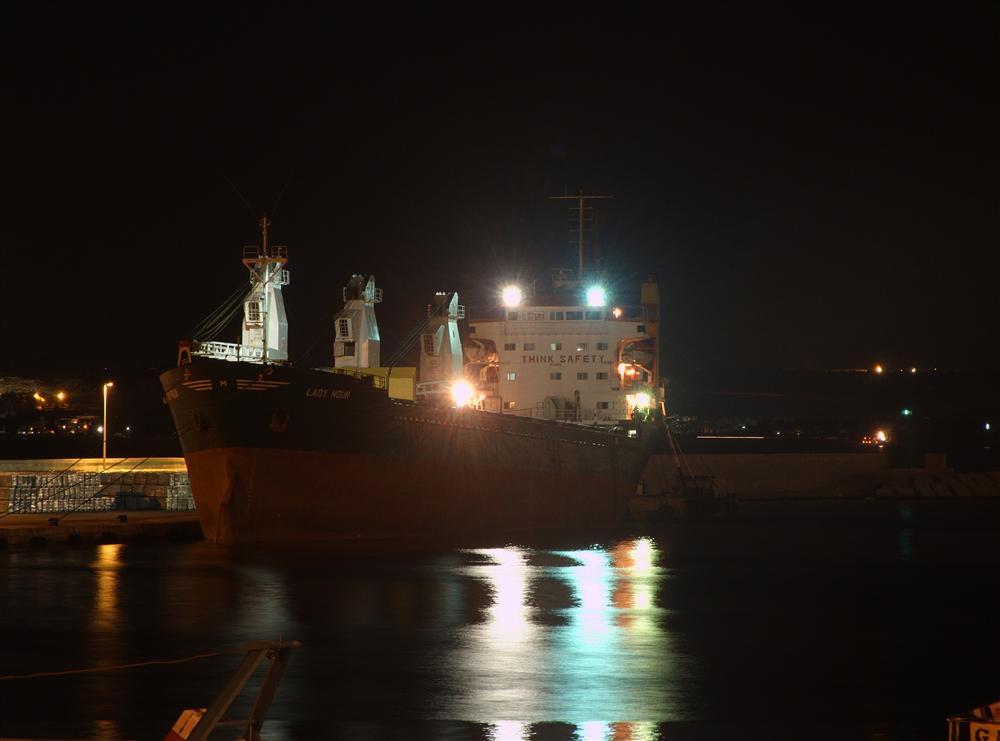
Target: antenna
[
  {"x": 582, "y": 213},
  {"x": 264, "y": 224}
]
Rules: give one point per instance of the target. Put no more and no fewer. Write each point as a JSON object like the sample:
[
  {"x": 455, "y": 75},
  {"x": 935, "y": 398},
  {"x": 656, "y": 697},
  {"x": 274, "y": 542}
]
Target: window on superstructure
[
  {"x": 253, "y": 312},
  {"x": 509, "y": 404},
  {"x": 595, "y": 314},
  {"x": 556, "y": 376},
  {"x": 574, "y": 315},
  {"x": 581, "y": 346},
  {"x": 428, "y": 340},
  {"x": 582, "y": 376},
  {"x": 555, "y": 346},
  {"x": 555, "y": 315},
  {"x": 603, "y": 405},
  {"x": 511, "y": 375},
  {"x": 602, "y": 376},
  {"x": 349, "y": 348},
  {"x": 510, "y": 346},
  {"x": 529, "y": 346},
  {"x": 640, "y": 329},
  {"x": 344, "y": 327},
  {"x": 512, "y": 315},
  {"x": 602, "y": 345},
  {"x": 534, "y": 316}
]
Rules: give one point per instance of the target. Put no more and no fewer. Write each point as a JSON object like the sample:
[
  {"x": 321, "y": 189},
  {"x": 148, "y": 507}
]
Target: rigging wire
[
  {"x": 241, "y": 291},
  {"x": 274, "y": 208},
  {"x": 407, "y": 343},
  {"x": 242, "y": 197},
  {"x": 115, "y": 667},
  {"x": 103, "y": 488}
]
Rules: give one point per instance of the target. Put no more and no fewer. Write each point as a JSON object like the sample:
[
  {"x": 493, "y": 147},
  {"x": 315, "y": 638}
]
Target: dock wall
[
  {"x": 819, "y": 475},
  {"x": 32, "y": 487}
]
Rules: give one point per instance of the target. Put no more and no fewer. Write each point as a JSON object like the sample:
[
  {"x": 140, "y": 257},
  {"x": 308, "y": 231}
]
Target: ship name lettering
[{"x": 318, "y": 393}]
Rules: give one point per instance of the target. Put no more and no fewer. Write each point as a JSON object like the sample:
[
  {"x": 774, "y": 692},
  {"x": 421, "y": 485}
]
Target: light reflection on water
[
  {"x": 553, "y": 641},
  {"x": 574, "y": 636}
]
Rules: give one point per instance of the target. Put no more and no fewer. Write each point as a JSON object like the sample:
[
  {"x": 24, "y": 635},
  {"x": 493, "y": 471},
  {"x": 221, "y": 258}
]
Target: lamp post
[{"x": 104, "y": 429}]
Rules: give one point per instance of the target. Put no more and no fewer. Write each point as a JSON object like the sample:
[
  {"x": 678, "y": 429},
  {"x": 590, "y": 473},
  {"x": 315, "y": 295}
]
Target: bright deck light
[
  {"x": 879, "y": 369},
  {"x": 596, "y": 296},
  {"x": 643, "y": 400},
  {"x": 461, "y": 393},
  {"x": 880, "y": 436},
  {"x": 511, "y": 296}
]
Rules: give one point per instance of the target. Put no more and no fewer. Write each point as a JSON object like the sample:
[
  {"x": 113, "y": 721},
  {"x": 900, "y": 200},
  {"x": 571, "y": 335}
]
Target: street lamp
[{"x": 104, "y": 447}]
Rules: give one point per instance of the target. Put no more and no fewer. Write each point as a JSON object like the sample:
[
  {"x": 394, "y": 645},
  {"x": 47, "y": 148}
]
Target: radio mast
[{"x": 584, "y": 215}]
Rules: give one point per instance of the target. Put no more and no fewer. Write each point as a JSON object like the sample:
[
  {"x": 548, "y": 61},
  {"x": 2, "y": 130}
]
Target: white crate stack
[
  {"x": 63, "y": 492},
  {"x": 94, "y": 492}
]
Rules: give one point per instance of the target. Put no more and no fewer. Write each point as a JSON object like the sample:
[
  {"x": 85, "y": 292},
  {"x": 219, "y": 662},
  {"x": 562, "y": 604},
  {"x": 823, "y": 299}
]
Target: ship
[{"x": 472, "y": 442}]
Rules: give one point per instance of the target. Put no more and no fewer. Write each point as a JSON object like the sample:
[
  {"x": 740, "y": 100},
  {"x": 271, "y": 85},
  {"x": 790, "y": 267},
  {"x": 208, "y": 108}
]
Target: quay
[
  {"x": 23, "y": 532},
  {"x": 70, "y": 502}
]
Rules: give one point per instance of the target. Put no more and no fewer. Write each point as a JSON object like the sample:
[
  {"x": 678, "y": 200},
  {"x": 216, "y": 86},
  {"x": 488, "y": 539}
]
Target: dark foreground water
[{"x": 811, "y": 625}]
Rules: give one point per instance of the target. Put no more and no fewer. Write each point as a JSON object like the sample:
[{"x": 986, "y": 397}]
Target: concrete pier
[
  {"x": 70, "y": 502},
  {"x": 23, "y": 532}
]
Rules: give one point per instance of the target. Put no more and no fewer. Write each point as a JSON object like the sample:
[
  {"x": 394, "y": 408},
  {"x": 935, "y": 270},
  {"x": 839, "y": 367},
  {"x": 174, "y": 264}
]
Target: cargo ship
[{"x": 544, "y": 418}]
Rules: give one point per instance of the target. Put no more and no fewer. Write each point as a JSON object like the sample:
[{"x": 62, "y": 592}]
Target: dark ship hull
[{"x": 279, "y": 454}]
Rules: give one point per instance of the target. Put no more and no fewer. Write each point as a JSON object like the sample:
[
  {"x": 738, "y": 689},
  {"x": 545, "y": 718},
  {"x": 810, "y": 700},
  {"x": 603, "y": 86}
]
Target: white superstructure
[
  {"x": 441, "y": 358},
  {"x": 574, "y": 355},
  {"x": 356, "y": 342},
  {"x": 264, "y": 337}
]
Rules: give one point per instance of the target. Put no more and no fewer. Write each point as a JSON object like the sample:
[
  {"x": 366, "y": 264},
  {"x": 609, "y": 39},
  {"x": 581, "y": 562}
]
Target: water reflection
[
  {"x": 572, "y": 636},
  {"x": 106, "y": 567}
]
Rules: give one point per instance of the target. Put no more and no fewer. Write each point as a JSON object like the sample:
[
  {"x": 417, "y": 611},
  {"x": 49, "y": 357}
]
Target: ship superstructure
[
  {"x": 356, "y": 341},
  {"x": 569, "y": 352},
  {"x": 265, "y": 325},
  {"x": 441, "y": 359}
]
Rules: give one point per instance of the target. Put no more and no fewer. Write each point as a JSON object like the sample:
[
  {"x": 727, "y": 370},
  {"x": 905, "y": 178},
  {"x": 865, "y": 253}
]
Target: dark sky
[{"x": 811, "y": 191}]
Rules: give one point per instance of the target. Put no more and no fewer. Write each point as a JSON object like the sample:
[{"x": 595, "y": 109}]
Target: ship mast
[
  {"x": 264, "y": 224},
  {"x": 266, "y": 265},
  {"x": 584, "y": 215}
]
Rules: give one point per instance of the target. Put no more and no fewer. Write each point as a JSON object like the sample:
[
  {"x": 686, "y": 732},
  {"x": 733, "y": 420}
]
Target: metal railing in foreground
[{"x": 196, "y": 724}]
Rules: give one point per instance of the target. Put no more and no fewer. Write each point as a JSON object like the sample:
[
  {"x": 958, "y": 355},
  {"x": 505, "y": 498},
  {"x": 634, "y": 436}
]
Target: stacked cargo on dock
[
  {"x": 32, "y": 493},
  {"x": 61, "y": 492}
]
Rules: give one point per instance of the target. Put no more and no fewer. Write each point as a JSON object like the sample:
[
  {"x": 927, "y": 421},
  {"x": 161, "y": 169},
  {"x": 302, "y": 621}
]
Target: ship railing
[
  {"x": 276, "y": 252},
  {"x": 374, "y": 379},
  {"x": 228, "y": 351}
]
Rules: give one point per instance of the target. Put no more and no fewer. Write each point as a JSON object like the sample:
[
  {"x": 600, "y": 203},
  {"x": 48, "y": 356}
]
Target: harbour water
[{"x": 777, "y": 624}]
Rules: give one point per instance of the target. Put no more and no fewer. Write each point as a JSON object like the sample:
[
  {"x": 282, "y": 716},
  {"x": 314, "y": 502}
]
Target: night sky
[{"x": 810, "y": 191}]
